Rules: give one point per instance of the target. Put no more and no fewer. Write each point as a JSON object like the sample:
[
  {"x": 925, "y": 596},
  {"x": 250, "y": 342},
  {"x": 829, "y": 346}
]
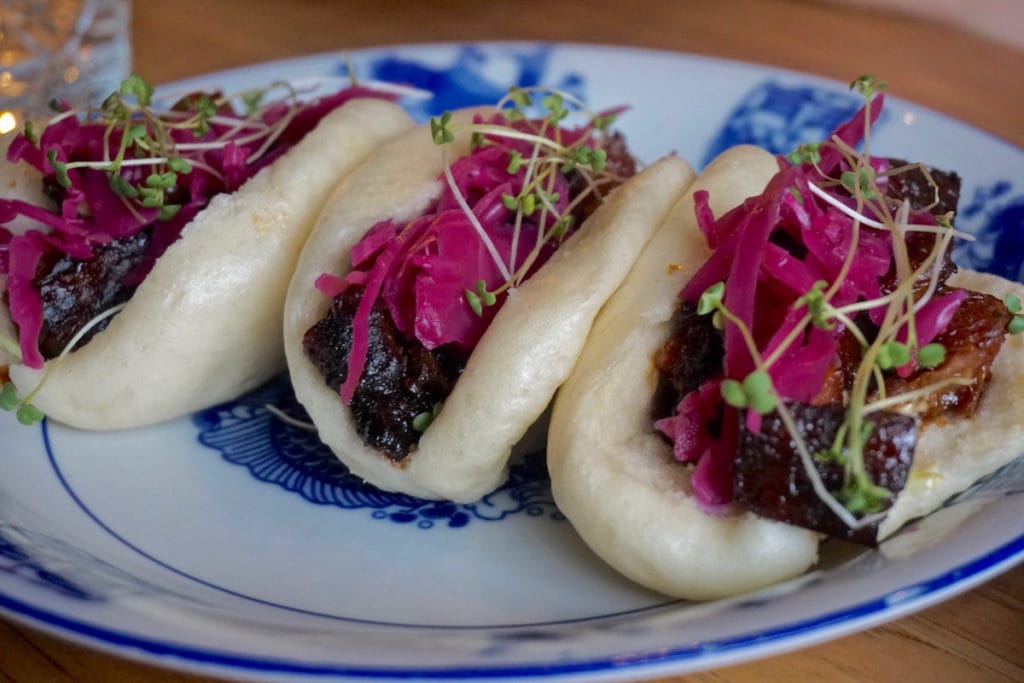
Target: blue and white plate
[{"x": 230, "y": 542}]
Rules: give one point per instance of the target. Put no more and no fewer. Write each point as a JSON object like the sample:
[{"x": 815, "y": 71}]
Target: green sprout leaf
[
  {"x": 711, "y": 299},
  {"x": 424, "y": 419},
  {"x": 520, "y": 97},
  {"x": 251, "y": 101},
  {"x": 509, "y": 202},
  {"x": 598, "y": 160},
  {"x": 561, "y": 226},
  {"x": 136, "y": 131},
  {"x": 8, "y": 397},
  {"x": 169, "y": 211},
  {"x": 604, "y": 121},
  {"x": 555, "y": 106},
  {"x": 153, "y": 201},
  {"x": 892, "y": 355},
  {"x": 864, "y": 498},
  {"x": 817, "y": 306},
  {"x": 1012, "y": 303},
  {"x": 59, "y": 168},
  {"x": 121, "y": 187},
  {"x": 866, "y": 182},
  {"x": 205, "y": 109},
  {"x": 136, "y": 86},
  {"x": 718, "y": 321},
  {"x": 474, "y": 302},
  {"x": 807, "y": 153},
  {"x": 162, "y": 181},
  {"x": 31, "y": 133},
  {"x": 488, "y": 298},
  {"x": 529, "y": 204},
  {"x": 179, "y": 165},
  {"x": 867, "y": 85},
  {"x": 29, "y": 415},
  {"x": 931, "y": 355},
  {"x": 760, "y": 392},
  {"x": 478, "y": 140},
  {"x": 1016, "y": 325},
  {"x": 733, "y": 393},
  {"x": 439, "y": 129},
  {"x": 515, "y": 161}
]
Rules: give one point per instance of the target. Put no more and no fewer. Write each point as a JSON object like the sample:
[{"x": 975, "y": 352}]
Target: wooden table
[{"x": 977, "y": 636}]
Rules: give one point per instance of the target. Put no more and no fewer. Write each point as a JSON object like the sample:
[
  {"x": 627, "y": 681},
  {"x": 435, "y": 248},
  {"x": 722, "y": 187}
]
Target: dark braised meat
[
  {"x": 75, "y": 291},
  {"x": 972, "y": 340},
  {"x": 914, "y": 187},
  {"x": 692, "y": 355},
  {"x": 402, "y": 378},
  {"x": 619, "y": 163},
  {"x": 769, "y": 477},
  {"x": 841, "y": 373}
]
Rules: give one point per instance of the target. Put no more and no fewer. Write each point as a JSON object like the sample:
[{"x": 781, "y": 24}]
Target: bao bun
[
  {"x": 204, "y": 326},
  {"x": 526, "y": 353}
]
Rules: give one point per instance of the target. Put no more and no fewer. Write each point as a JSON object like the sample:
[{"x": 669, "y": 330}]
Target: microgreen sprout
[
  {"x": 251, "y": 101},
  {"x": 868, "y": 85},
  {"x": 59, "y": 168},
  {"x": 439, "y": 129},
  {"x": 1013, "y": 305},
  {"x": 892, "y": 355},
  {"x": 135, "y": 86},
  {"x": 711, "y": 299},
  {"x": 136, "y": 135},
  {"x": 480, "y": 298},
  {"x": 754, "y": 392},
  {"x": 817, "y": 306},
  {"x": 478, "y": 140},
  {"x": 519, "y": 96},
  {"x": 515, "y": 161},
  {"x": 534, "y": 198},
  {"x": 555, "y": 105},
  {"x": 603, "y": 121},
  {"x": 423, "y": 420},
  {"x": 931, "y": 355},
  {"x": 865, "y": 184},
  {"x": 807, "y": 153},
  {"x": 26, "y": 413},
  {"x": 561, "y": 226},
  {"x": 30, "y": 132}
]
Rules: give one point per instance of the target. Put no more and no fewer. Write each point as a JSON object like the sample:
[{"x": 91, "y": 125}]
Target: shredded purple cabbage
[
  {"x": 432, "y": 260},
  {"x": 764, "y": 281}
]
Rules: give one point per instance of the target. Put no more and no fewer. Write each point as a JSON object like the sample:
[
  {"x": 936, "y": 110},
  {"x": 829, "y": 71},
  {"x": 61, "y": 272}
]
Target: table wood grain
[{"x": 978, "y": 636}]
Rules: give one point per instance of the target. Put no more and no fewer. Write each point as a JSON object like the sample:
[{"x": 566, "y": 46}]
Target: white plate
[{"x": 231, "y": 543}]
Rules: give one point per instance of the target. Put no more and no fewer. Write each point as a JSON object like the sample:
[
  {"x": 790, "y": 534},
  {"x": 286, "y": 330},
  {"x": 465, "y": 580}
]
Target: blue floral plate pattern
[{"x": 232, "y": 542}]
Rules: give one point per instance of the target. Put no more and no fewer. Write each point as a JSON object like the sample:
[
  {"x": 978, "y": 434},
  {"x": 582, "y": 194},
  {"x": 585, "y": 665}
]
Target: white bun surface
[
  {"x": 204, "y": 326},
  {"x": 525, "y": 354}
]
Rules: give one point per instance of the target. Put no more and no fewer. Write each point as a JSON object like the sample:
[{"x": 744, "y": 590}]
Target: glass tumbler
[{"x": 70, "y": 50}]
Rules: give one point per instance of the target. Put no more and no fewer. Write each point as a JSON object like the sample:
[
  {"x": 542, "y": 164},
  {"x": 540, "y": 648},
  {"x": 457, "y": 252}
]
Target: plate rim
[
  {"x": 707, "y": 654},
  {"x": 730, "y": 650}
]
